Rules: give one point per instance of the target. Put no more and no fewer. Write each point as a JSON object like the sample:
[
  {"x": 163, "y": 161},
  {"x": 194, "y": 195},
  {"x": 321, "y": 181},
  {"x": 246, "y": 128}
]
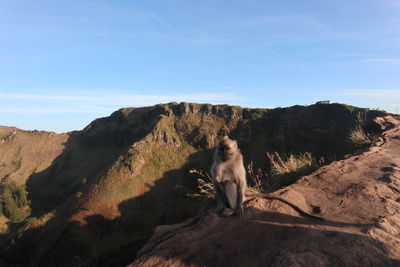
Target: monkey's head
[{"x": 226, "y": 148}]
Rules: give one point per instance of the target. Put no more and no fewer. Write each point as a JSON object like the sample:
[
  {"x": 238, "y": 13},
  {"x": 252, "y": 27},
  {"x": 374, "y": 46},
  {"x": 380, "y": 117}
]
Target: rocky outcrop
[{"x": 358, "y": 197}]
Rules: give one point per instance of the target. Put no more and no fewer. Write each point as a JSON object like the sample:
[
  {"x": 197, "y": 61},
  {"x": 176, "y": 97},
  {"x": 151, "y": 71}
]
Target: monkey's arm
[
  {"x": 216, "y": 177},
  {"x": 240, "y": 197},
  {"x": 296, "y": 208},
  {"x": 216, "y": 172}
]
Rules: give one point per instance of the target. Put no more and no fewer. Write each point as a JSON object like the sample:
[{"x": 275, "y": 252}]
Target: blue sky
[{"x": 65, "y": 63}]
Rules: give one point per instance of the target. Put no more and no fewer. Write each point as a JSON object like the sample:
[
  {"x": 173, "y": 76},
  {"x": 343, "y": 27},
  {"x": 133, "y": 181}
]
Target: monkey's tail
[{"x": 296, "y": 208}]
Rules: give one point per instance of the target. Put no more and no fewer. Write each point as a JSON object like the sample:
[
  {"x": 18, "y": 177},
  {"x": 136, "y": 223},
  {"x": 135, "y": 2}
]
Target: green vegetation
[
  {"x": 287, "y": 170},
  {"x": 358, "y": 138},
  {"x": 14, "y": 202},
  {"x": 201, "y": 129},
  {"x": 293, "y": 163}
]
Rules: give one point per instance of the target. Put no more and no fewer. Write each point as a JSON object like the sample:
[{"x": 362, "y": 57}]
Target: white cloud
[
  {"x": 51, "y": 110},
  {"x": 125, "y": 98},
  {"x": 100, "y": 101},
  {"x": 387, "y": 99}
]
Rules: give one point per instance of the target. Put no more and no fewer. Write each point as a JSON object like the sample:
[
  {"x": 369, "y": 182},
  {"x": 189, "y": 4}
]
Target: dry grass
[
  {"x": 293, "y": 163},
  {"x": 258, "y": 184},
  {"x": 358, "y": 137},
  {"x": 286, "y": 171},
  {"x": 204, "y": 186},
  {"x": 283, "y": 172}
]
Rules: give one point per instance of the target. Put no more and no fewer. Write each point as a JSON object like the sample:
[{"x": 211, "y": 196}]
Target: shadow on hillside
[
  {"x": 104, "y": 242},
  {"x": 79, "y": 166},
  {"x": 54, "y": 192}
]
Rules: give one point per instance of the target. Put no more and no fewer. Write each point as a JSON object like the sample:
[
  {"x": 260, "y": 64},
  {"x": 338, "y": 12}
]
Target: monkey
[{"x": 229, "y": 179}]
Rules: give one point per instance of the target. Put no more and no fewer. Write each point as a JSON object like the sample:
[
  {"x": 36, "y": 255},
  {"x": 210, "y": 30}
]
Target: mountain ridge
[{"x": 122, "y": 175}]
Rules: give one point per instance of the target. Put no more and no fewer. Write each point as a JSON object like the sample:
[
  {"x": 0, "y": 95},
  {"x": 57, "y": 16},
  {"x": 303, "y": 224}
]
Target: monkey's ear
[{"x": 225, "y": 137}]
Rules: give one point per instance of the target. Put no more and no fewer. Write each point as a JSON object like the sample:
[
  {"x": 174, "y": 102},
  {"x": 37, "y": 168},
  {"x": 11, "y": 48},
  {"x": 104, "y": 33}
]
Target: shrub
[
  {"x": 358, "y": 138},
  {"x": 288, "y": 170},
  {"x": 293, "y": 163},
  {"x": 14, "y": 202}
]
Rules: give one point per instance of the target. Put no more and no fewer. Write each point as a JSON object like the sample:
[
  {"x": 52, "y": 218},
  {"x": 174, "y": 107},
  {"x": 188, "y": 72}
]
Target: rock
[{"x": 359, "y": 228}]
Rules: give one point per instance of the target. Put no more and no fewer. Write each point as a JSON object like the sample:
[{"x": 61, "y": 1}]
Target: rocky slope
[
  {"x": 96, "y": 195},
  {"x": 358, "y": 197},
  {"x": 24, "y": 153}
]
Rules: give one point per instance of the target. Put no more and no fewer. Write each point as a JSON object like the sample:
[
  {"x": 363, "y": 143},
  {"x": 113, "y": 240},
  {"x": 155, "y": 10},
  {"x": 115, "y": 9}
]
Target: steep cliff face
[{"x": 101, "y": 191}]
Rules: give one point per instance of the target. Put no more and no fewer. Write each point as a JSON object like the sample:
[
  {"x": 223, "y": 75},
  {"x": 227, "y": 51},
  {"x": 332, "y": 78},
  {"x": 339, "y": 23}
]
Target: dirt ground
[{"x": 359, "y": 198}]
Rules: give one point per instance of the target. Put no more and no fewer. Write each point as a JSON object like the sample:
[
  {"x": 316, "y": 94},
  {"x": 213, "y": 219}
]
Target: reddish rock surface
[{"x": 359, "y": 197}]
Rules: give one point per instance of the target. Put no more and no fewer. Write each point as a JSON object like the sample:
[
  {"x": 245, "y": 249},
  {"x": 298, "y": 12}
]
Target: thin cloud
[
  {"x": 368, "y": 93},
  {"x": 101, "y": 20},
  {"x": 226, "y": 87},
  {"x": 38, "y": 110},
  {"x": 391, "y": 3},
  {"x": 103, "y": 101},
  {"x": 383, "y": 60},
  {"x": 288, "y": 19},
  {"x": 387, "y": 99},
  {"x": 121, "y": 98}
]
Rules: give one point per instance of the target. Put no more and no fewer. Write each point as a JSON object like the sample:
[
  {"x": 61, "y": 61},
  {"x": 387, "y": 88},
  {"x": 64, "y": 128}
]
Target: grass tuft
[
  {"x": 258, "y": 180},
  {"x": 293, "y": 163},
  {"x": 286, "y": 171},
  {"x": 204, "y": 186},
  {"x": 358, "y": 138}
]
